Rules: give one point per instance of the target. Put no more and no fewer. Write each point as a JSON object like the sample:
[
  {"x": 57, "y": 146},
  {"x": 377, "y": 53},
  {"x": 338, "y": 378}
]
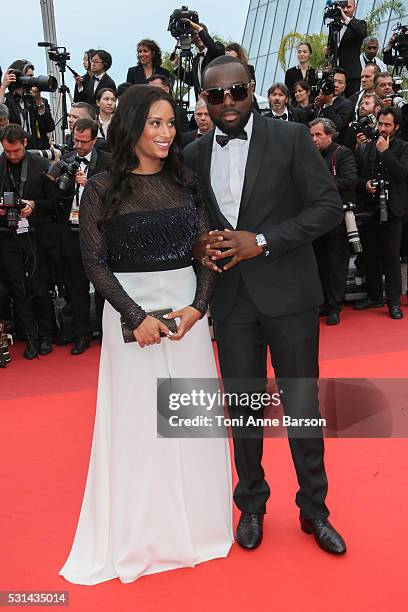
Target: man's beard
[{"x": 235, "y": 129}]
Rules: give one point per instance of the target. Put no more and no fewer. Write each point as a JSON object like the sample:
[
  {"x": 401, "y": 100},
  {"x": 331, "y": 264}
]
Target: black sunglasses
[{"x": 216, "y": 95}]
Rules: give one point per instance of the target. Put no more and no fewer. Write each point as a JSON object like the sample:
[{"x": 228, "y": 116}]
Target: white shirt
[
  {"x": 228, "y": 166},
  {"x": 364, "y": 61},
  {"x": 74, "y": 216},
  {"x": 96, "y": 79}
]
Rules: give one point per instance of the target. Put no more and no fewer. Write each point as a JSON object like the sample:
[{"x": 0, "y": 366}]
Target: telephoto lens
[{"x": 351, "y": 228}]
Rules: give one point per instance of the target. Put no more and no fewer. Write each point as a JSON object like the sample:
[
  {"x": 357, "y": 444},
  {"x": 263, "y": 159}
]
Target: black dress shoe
[
  {"x": 333, "y": 318},
  {"x": 368, "y": 304},
  {"x": 250, "y": 530},
  {"x": 31, "y": 350},
  {"x": 323, "y": 312},
  {"x": 396, "y": 312},
  {"x": 325, "y": 535},
  {"x": 45, "y": 346},
  {"x": 80, "y": 345}
]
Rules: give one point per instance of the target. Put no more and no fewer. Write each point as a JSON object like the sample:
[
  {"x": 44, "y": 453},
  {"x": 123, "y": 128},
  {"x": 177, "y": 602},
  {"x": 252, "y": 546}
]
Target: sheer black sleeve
[
  {"x": 95, "y": 254},
  {"x": 205, "y": 278}
]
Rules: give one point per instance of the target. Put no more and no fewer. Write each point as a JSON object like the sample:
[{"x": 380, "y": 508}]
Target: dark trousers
[
  {"x": 242, "y": 339},
  {"x": 381, "y": 247},
  {"x": 24, "y": 267},
  {"x": 78, "y": 286},
  {"x": 332, "y": 254}
]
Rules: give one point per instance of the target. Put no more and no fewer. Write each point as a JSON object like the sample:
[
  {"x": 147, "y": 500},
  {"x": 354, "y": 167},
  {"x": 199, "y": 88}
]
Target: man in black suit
[
  {"x": 382, "y": 240},
  {"x": 352, "y": 35},
  {"x": 266, "y": 183},
  {"x": 203, "y": 121},
  {"x": 23, "y": 250},
  {"x": 92, "y": 161},
  {"x": 332, "y": 249},
  {"x": 208, "y": 49},
  {"x": 278, "y": 98},
  {"x": 335, "y": 106},
  {"x": 100, "y": 63}
]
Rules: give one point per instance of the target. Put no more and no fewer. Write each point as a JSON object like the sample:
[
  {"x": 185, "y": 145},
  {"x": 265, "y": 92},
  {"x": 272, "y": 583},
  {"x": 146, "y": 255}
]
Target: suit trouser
[
  {"x": 25, "y": 276},
  {"x": 78, "y": 285},
  {"x": 332, "y": 254},
  {"x": 381, "y": 247},
  {"x": 242, "y": 339}
]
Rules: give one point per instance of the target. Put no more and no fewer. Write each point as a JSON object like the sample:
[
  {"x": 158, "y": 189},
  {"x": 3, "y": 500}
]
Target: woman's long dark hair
[
  {"x": 154, "y": 48},
  {"x": 125, "y": 130}
]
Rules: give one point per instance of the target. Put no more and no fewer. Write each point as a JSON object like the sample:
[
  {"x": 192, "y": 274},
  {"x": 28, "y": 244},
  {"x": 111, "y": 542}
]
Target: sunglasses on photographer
[{"x": 216, "y": 95}]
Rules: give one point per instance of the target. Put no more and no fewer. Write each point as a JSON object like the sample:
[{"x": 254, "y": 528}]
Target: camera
[
  {"x": 351, "y": 228},
  {"x": 63, "y": 174},
  {"x": 51, "y": 153},
  {"x": 325, "y": 82},
  {"x": 366, "y": 125},
  {"x": 12, "y": 205},
  {"x": 332, "y": 10},
  {"x": 400, "y": 43},
  {"x": 42, "y": 83},
  {"x": 181, "y": 29},
  {"x": 382, "y": 185}
]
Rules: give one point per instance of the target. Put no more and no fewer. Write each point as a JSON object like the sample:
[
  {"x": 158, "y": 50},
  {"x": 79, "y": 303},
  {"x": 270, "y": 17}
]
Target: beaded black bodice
[{"x": 155, "y": 230}]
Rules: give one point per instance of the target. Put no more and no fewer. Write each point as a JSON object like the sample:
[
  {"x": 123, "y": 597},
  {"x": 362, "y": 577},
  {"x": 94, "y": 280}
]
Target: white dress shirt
[
  {"x": 364, "y": 61},
  {"x": 79, "y": 189},
  {"x": 228, "y": 166}
]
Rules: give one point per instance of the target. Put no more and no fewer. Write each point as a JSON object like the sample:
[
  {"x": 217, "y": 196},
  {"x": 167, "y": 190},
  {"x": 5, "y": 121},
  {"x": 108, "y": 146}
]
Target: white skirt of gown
[{"x": 150, "y": 504}]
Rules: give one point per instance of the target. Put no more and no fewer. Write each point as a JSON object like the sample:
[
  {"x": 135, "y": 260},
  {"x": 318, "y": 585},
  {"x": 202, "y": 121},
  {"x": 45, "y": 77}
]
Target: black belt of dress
[{"x": 146, "y": 266}]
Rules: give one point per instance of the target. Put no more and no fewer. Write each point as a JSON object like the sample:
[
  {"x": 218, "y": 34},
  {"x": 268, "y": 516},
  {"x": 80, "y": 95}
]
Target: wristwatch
[{"x": 261, "y": 242}]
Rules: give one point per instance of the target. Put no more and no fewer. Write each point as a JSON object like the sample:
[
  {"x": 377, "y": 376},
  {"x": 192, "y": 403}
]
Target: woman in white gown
[{"x": 150, "y": 504}]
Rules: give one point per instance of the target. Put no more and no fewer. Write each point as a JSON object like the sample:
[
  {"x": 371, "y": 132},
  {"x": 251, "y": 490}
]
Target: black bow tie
[
  {"x": 96, "y": 78},
  {"x": 82, "y": 160},
  {"x": 223, "y": 139},
  {"x": 284, "y": 116}
]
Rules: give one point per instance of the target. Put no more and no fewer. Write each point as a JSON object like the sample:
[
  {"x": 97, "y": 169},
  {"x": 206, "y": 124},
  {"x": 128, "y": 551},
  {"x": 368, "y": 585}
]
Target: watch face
[{"x": 260, "y": 240}]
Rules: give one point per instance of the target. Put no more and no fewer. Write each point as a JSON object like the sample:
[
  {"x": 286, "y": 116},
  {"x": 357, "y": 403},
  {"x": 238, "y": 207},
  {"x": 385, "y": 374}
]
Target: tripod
[
  {"x": 63, "y": 91},
  {"x": 185, "y": 65},
  {"x": 334, "y": 40}
]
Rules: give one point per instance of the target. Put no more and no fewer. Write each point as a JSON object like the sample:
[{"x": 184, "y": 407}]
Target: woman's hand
[
  {"x": 188, "y": 315},
  {"x": 148, "y": 332}
]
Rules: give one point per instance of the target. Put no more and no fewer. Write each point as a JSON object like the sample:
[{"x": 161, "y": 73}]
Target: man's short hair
[
  {"x": 370, "y": 39},
  {"x": 106, "y": 58},
  {"x": 87, "y": 107},
  {"x": 87, "y": 124},
  {"x": 339, "y": 70},
  {"x": 201, "y": 103},
  {"x": 377, "y": 99},
  {"x": 329, "y": 127},
  {"x": 13, "y": 133},
  {"x": 376, "y": 68},
  {"x": 381, "y": 75},
  {"x": 281, "y": 86},
  {"x": 220, "y": 61},
  {"x": 4, "y": 112},
  {"x": 120, "y": 90},
  {"x": 159, "y": 77},
  {"x": 391, "y": 110}
]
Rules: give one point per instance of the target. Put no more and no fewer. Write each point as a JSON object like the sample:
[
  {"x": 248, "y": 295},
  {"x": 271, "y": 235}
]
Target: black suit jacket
[
  {"x": 395, "y": 162},
  {"x": 40, "y": 125},
  {"x": 296, "y": 114},
  {"x": 350, "y": 47},
  {"x": 294, "y": 74},
  {"x": 88, "y": 94},
  {"x": 136, "y": 74},
  {"x": 289, "y": 196},
  {"x": 342, "y": 166},
  {"x": 340, "y": 112},
  {"x": 100, "y": 161},
  {"x": 214, "y": 49}
]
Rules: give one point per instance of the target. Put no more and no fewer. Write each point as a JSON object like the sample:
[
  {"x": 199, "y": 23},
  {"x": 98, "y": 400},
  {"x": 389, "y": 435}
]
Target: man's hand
[
  {"x": 28, "y": 208},
  {"x": 148, "y": 332},
  {"x": 383, "y": 144},
  {"x": 203, "y": 251},
  {"x": 345, "y": 18},
  {"x": 322, "y": 99},
  {"x": 236, "y": 244},
  {"x": 370, "y": 187},
  {"x": 361, "y": 139},
  {"x": 8, "y": 78},
  {"x": 188, "y": 315},
  {"x": 79, "y": 80},
  {"x": 80, "y": 178},
  {"x": 194, "y": 26}
]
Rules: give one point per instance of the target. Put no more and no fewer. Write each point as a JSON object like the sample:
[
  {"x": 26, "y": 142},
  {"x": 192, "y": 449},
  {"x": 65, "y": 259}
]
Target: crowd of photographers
[{"x": 357, "y": 117}]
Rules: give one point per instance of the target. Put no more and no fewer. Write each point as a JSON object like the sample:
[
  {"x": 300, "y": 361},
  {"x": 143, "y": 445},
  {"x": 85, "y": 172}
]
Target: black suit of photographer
[
  {"x": 38, "y": 126},
  {"x": 25, "y": 256},
  {"x": 89, "y": 91},
  {"x": 74, "y": 275},
  {"x": 381, "y": 241},
  {"x": 349, "y": 52},
  {"x": 340, "y": 112},
  {"x": 332, "y": 249},
  {"x": 193, "y": 78}
]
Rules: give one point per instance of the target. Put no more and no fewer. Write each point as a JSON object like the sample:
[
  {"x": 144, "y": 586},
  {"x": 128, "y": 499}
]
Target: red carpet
[{"x": 47, "y": 412}]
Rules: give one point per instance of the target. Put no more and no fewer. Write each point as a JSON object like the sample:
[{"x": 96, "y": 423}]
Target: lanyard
[{"x": 23, "y": 178}]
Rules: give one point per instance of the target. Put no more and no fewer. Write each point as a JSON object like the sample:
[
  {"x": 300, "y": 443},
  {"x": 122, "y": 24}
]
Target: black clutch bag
[{"x": 127, "y": 332}]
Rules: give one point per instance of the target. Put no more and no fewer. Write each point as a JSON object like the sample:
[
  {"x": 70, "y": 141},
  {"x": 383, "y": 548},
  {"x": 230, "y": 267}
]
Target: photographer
[
  {"x": 101, "y": 61},
  {"x": 208, "y": 49},
  {"x": 395, "y": 53},
  {"x": 278, "y": 98},
  {"x": 89, "y": 161},
  {"x": 363, "y": 128},
  {"x": 352, "y": 34},
  {"x": 83, "y": 110},
  {"x": 383, "y": 159},
  {"x": 384, "y": 88},
  {"x": 332, "y": 249},
  {"x": 335, "y": 106},
  {"x": 27, "y": 108},
  {"x": 24, "y": 235}
]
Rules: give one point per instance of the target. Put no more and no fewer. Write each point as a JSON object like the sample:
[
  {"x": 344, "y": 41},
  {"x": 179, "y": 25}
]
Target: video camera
[
  {"x": 325, "y": 82},
  {"x": 59, "y": 55},
  {"x": 366, "y": 125},
  {"x": 332, "y": 10},
  {"x": 63, "y": 174},
  {"x": 400, "y": 43},
  {"x": 12, "y": 205},
  {"x": 180, "y": 29}
]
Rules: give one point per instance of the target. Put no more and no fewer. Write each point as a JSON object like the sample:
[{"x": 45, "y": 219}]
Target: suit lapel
[{"x": 255, "y": 155}]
